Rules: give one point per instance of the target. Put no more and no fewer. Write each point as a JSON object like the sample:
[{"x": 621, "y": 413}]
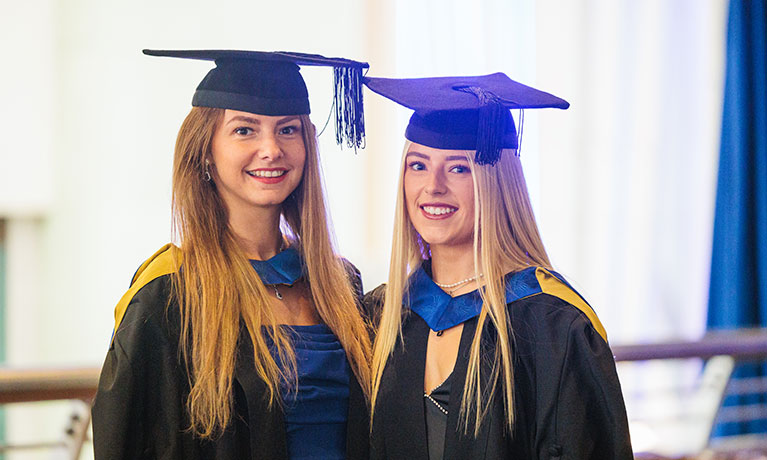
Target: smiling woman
[
  {"x": 482, "y": 350},
  {"x": 242, "y": 342}
]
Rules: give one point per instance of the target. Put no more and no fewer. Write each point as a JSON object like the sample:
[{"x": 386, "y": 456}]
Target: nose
[
  {"x": 269, "y": 148},
  {"x": 435, "y": 184}
]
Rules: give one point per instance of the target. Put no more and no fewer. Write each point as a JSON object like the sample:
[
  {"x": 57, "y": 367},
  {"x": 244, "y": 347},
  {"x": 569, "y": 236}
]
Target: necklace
[
  {"x": 448, "y": 286},
  {"x": 452, "y": 287}
]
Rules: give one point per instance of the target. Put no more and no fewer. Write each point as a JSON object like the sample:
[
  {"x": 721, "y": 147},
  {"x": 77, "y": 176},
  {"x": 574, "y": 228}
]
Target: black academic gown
[
  {"x": 139, "y": 411},
  {"x": 568, "y": 402}
]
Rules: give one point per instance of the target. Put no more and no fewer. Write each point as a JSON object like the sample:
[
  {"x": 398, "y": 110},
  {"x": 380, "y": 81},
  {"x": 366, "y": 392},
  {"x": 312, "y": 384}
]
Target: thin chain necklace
[{"x": 282, "y": 248}]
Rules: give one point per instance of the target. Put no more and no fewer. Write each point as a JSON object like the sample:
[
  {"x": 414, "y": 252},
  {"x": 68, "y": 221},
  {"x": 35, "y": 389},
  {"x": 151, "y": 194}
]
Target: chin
[{"x": 269, "y": 199}]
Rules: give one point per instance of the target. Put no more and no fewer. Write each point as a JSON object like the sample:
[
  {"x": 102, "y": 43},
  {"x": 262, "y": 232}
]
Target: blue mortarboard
[
  {"x": 269, "y": 83},
  {"x": 464, "y": 113}
]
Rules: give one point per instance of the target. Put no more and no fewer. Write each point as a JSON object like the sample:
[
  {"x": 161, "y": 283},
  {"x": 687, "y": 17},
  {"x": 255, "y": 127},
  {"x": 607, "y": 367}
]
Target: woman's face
[
  {"x": 258, "y": 160},
  {"x": 439, "y": 195}
]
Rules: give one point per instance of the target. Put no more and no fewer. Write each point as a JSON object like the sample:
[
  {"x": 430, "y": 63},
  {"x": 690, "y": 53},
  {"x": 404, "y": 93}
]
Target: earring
[{"x": 206, "y": 172}]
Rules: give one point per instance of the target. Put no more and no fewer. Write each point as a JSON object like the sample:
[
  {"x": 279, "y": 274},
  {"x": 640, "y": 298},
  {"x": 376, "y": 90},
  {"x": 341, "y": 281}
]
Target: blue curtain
[{"x": 738, "y": 290}]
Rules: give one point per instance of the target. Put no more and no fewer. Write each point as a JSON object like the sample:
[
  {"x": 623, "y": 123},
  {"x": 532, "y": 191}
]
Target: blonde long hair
[
  {"x": 217, "y": 288},
  {"x": 506, "y": 239}
]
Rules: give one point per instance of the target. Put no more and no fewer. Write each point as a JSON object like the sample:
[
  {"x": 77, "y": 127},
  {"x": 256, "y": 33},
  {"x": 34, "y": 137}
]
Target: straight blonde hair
[
  {"x": 218, "y": 290},
  {"x": 506, "y": 239}
]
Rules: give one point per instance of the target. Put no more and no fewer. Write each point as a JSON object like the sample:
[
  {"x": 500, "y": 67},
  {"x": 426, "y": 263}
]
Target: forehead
[{"x": 436, "y": 154}]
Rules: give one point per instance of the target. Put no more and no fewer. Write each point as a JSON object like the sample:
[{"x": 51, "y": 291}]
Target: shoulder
[
  {"x": 542, "y": 299},
  {"x": 373, "y": 302},
  {"x": 145, "y": 303},
  {"x": 354, "y": 275}
]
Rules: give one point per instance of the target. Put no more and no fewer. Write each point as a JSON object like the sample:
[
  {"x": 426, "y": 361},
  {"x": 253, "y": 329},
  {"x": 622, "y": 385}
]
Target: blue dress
[{"x": 316, "y": 410}]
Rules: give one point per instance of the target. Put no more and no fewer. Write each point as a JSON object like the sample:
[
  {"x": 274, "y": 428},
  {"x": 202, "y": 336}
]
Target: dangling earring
[{"x": 206, "y": 172}]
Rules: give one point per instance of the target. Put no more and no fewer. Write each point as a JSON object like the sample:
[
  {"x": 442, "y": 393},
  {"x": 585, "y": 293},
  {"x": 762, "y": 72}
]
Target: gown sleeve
[
  {"x": 132, "y": 419},
  {"x": 118, "y": 410},
  {"x": 582, "y": 414}
]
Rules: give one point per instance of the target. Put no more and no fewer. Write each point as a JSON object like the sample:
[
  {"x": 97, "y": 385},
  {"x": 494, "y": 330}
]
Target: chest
[{"x": 400, "y": 429}]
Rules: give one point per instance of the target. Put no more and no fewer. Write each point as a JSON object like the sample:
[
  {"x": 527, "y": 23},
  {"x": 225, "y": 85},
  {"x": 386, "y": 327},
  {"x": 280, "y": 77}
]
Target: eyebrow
[
  {"x": 256, "y": 121},
  {"x": 287, "y": 119},
  {"x": 419, "y": 155},
  {"x": 449, "y": 158},
  {"x": 245, "y": 119}
]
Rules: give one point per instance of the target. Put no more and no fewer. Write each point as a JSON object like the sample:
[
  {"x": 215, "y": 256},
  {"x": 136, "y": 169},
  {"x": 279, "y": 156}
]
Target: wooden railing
[
  {"x": 19, "y": 385},
  {"x": 47, "y": 384}
]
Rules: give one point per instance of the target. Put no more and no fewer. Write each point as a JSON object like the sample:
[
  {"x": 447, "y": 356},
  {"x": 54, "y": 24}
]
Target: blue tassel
[
  {"x": 490, "y": 126},
  {"x": 347, "y": 98}
]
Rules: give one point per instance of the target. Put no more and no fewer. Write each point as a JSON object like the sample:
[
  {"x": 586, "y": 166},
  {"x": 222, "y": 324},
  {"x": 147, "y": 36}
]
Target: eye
[
  {"x": 460, "y": 169},
  {"x": 243, "y": 130},
  {"x": 290, "y": 130},
  {"x": 416, "y": 166}
]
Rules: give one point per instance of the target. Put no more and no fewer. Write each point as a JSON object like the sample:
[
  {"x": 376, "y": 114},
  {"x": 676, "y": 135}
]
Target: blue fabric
[
  {"x": 285, "y": 267},
  {"x": 316, "y": 411},
  {"x": 441, "y": 311},
  {"x": 738, "y": 289}
]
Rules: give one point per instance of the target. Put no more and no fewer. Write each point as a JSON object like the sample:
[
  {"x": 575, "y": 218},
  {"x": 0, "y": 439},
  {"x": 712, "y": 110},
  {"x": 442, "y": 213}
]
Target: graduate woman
[
  {"x": 482, "y": 351},
  {"x": 244, "y": 341}
]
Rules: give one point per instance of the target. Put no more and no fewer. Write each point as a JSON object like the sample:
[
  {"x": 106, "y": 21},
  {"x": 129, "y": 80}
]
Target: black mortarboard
[
  {"x": 464, "y": 113},
  {"x": 269, "y": 83}
]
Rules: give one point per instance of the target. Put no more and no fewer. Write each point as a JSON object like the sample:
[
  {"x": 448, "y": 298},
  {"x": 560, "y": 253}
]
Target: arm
[
  {"x": 118, "y": 410},
  {"x": 587, "y": 418},
  {"x": 138, "y": 408}
]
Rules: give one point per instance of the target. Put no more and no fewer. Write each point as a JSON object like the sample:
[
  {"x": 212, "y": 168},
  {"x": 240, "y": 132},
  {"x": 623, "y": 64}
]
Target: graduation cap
[
  {"x": 269, "y": 83},
  {"x": 464, "y": 113}
]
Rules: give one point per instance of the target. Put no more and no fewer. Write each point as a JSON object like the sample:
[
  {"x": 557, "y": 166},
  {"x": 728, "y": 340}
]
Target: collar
[
  {"x": 440, "y": 311},
  {"x": 286, "y": 267}
]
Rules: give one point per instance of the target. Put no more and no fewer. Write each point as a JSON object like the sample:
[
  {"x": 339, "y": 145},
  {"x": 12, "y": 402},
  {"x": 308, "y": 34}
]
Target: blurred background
[{"x": 624, "y": 183}]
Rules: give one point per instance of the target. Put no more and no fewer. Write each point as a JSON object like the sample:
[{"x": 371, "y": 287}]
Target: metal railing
[
  {"x": 688, "y": 434},
  {"x": 740, "y": 344}
]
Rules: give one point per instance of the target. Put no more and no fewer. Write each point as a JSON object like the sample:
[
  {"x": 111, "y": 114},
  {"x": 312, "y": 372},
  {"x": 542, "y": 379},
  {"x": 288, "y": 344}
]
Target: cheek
[
  {"x": 467, "y": 197},
  {"x": 410, "y": 193},
  {"x": 216, "y": 151},
  {"x": 298, "y": 154}
]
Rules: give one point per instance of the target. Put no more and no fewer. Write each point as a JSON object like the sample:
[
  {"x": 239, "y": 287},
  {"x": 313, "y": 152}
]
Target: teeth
[
  {"x": 262, "y": 173},
  {"x": 438, "y": 210}
]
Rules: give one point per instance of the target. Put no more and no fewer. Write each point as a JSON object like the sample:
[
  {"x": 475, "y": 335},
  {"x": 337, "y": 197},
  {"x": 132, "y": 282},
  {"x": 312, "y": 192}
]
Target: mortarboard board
[
  {"x": 269, "y": 83},
  {"x": 464, "y": 113}
]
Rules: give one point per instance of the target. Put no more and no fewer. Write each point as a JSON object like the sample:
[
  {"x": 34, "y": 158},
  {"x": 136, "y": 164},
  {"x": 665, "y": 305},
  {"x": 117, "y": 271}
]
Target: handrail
[
  {"x": 740, "y": 344},
  {"x": 47, "y": 384},
  {"x": 54, "y": 383}
]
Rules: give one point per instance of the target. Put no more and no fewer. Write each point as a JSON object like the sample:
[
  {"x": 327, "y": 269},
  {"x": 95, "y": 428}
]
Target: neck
[
  {"x": 453, "y": 263},
  {"x": 258, "y": 231}
]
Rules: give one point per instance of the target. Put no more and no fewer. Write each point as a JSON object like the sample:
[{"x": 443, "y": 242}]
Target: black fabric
[
  {"x": 436, "y": 419},
  {"x": 568, "y": 401},
  {"x": 459, "y": 132},
  {"x": 139, "y": 411},
  {"x": 251, "y": 104}
]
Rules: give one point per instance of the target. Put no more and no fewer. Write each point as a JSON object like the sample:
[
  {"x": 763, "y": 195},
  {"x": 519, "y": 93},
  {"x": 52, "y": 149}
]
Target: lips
[
  {"x": 437, "y": 211},
  {"x": 268, "y": 175}
]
